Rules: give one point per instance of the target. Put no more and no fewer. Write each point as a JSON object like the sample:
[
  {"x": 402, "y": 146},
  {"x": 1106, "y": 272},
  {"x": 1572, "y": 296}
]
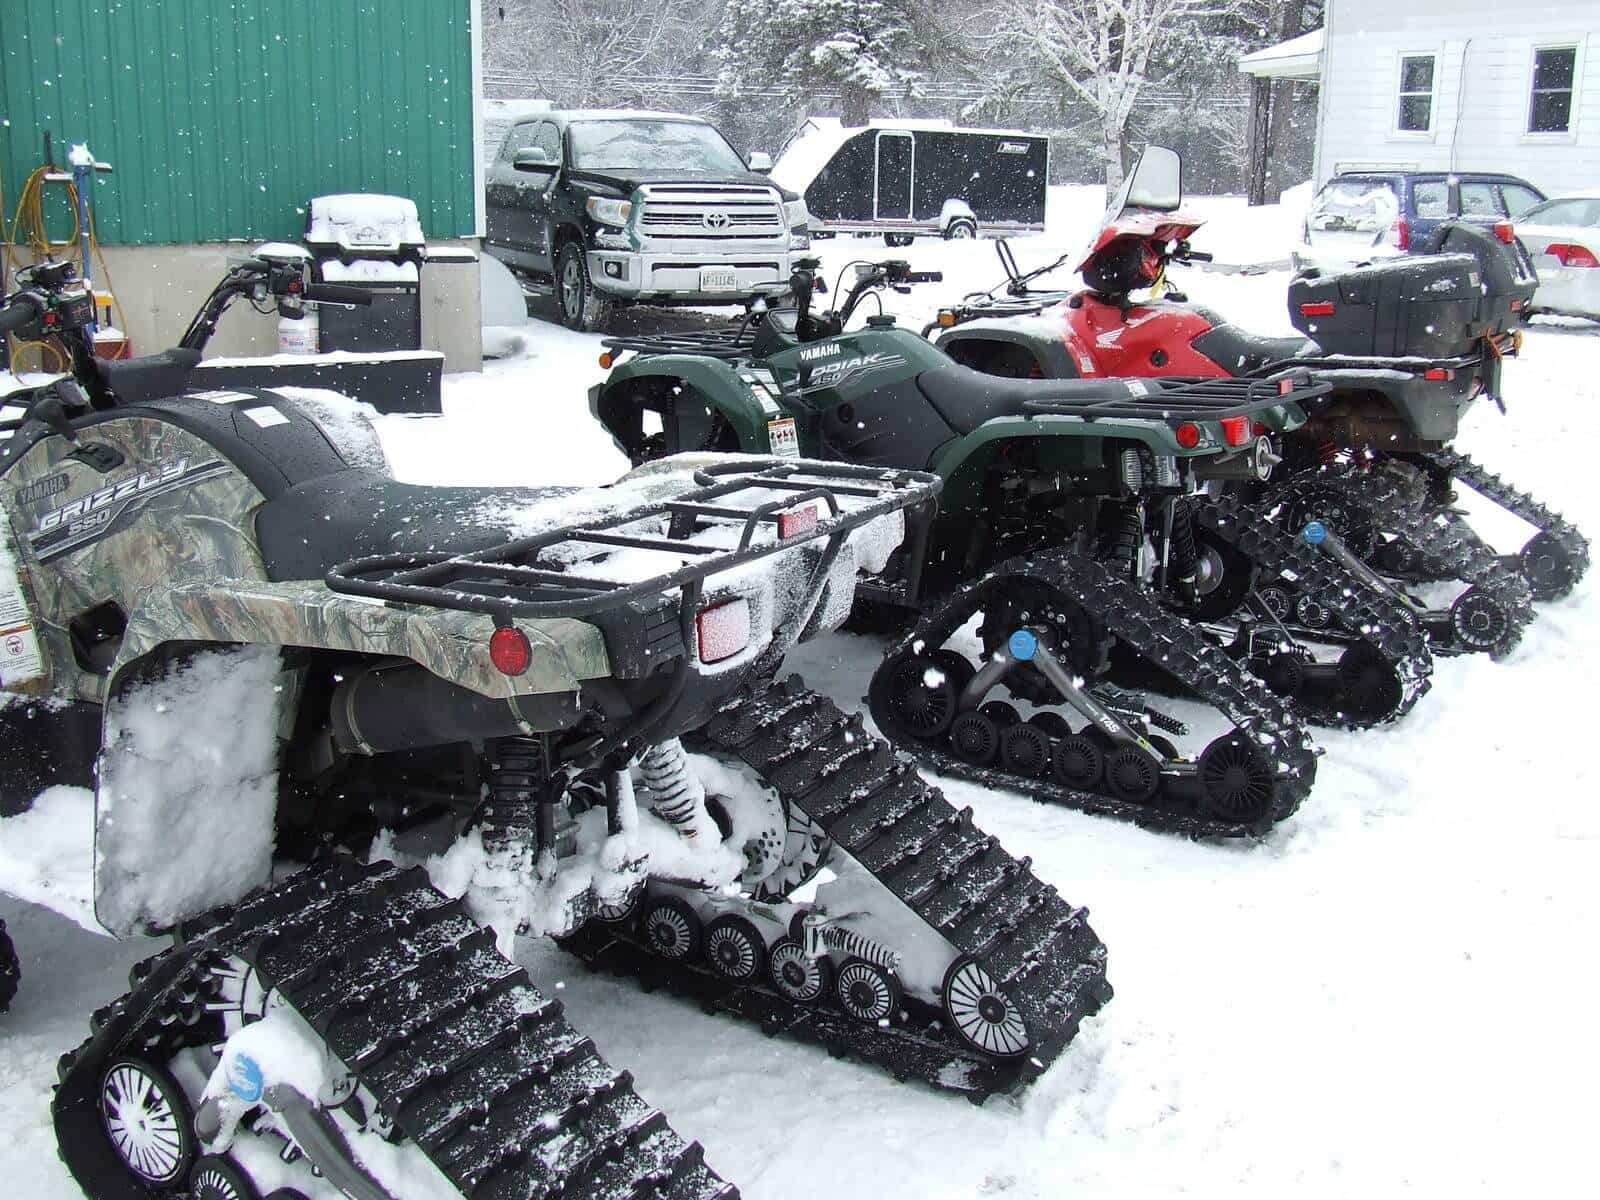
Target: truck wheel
[
  {"x": 960, "y": 229},
  {"x": 582, "y": 307}
]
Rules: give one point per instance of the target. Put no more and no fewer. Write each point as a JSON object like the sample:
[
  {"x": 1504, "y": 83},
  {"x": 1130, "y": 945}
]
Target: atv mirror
[
  {"x": 1155, "y": 182},
  {"x": 760, "y": 161}
]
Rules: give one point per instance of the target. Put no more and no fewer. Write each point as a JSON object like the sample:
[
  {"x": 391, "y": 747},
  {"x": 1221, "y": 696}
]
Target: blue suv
[{"x": 1364, "y": 215}]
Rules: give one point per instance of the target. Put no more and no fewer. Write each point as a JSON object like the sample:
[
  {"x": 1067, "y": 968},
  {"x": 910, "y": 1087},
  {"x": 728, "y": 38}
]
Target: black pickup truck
[{"x": 612, "y": 207}]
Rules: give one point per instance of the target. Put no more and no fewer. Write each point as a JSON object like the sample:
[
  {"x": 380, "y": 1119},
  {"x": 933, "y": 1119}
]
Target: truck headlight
[
  {"x": 608, "y": 211},
  {"x": 795, "y": 215}
]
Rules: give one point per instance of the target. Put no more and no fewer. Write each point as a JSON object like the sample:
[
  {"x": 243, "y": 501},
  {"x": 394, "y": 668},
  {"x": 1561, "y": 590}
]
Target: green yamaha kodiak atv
[
  {"x": 1407, "y": 344},
  {"x": 1073, "y": 533},
  {"x": 278, "y": 680}
]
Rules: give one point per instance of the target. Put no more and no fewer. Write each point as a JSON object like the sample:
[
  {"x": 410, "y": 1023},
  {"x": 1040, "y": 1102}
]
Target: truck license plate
[{"x": 719, "y": 279}]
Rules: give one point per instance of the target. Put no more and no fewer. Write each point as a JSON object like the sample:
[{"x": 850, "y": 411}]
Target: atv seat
[
  {"x": 322, "y": 522},
  {"x": 148, "y": 377},
  {"x": 966, "y": 398},
  {"x": 1240, "y": 352}
]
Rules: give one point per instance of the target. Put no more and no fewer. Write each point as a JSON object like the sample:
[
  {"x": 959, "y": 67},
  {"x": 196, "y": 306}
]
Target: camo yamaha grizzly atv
[
  {"x": 258, "y": 655},
  {"x": 1072, "y": 541},
  {"x": 1407, "y": 344}
]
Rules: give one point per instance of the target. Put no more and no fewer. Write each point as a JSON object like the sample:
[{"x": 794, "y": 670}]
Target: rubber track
[
  {"x": 1518, "y": 503},
  {"x": 1138, "y": 620},
  {"x": 873, "y": 804},
  {"x": 1359, "y": 611},
  {"x": 1449, "y": 545},
  {"x": 472, "y": 1063}
]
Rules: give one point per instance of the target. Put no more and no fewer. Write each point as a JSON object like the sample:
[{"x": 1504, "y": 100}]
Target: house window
[
  {"x": 1416, "y": 94},
  {"x": 1550, "y": 110}
]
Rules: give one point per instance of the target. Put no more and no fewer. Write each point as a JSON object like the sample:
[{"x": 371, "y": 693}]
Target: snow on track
[{"x": 1389, "y": 996}]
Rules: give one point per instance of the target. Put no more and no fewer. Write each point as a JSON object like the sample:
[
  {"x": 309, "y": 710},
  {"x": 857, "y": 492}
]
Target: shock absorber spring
[
  {"x": 1125, "y": 541},
  {"x": 514, "y": 814},
  {"x": 1184, "y": 555},
  {"x": 672, "y": 791},
  {"x": 823, "y": 934}
]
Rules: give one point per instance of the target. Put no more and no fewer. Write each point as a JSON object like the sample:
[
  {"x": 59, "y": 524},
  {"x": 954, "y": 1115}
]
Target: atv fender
[
  {"x": 1043, "y": 340},
  {"x": 962, "y": 461},
  {"x": 747, "y": 406}
]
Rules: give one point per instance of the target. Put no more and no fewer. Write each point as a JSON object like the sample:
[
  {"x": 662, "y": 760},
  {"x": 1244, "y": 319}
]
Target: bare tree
[{"x": 1099, "y": 53}]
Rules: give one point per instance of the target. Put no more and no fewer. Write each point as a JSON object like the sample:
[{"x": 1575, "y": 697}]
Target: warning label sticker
[
  {"x": 20, "y": 659},
  {"x": 783, "y": 438}
]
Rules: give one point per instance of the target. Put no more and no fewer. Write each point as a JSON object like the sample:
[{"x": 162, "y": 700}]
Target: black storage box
[{"x": 1424, "y": 307}]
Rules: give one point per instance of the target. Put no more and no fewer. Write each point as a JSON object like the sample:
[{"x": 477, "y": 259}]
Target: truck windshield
[{"x": 650, "y": 146}]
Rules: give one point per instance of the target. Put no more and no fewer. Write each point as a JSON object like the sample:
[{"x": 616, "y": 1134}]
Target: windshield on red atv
[{"x": 1145, "y": 207}]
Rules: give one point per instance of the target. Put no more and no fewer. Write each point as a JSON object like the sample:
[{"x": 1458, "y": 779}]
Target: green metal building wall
[{"x": 221, "y": 117}]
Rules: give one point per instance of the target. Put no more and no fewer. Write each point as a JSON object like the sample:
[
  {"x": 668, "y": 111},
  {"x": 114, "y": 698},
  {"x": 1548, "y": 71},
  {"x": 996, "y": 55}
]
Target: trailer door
[{"x": 892, "y": 194}]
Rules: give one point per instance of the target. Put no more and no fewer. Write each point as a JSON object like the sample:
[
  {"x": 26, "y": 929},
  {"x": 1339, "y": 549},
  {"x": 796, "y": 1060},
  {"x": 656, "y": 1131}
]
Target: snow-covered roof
[
  {"x": 1298, "y": 58},
  {"x": 628, "y": 114},
  {"x": 811, "y": 146}
]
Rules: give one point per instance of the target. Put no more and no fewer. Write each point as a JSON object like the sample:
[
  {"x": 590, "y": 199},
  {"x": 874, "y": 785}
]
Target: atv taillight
[
  {"x": 1317, "y": 308},
  {"x": 947, "y": 318},
  {"x": 723, "y": 629},
  {"x": 1188, "y": 435},
  {"x": 509, "y": 650},
  {"x": 1236, "y": 430},
  {"x": 1505, "y": 231},
  {"x": 1572, "y": 255},
  {"x": 797, "y": 521},
  {"x": 1438, "y": 374},
  {"x": 1285, "y": 386}
]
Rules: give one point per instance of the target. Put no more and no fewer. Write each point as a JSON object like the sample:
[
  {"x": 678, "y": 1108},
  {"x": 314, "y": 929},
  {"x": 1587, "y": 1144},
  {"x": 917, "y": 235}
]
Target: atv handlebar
[
  {"x": 20, "y": 310},
  {"x": 332, "y": 293}
]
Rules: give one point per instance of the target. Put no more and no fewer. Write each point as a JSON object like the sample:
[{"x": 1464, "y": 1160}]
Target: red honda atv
[{"x": 1409, "y": 344}]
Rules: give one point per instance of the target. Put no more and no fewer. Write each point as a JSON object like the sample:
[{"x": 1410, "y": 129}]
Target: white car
[{"x": 1563, "y": 238}]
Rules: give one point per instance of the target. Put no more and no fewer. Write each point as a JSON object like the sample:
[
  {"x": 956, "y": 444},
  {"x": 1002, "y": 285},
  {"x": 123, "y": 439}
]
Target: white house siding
[{"x": 1479, "y": 124}]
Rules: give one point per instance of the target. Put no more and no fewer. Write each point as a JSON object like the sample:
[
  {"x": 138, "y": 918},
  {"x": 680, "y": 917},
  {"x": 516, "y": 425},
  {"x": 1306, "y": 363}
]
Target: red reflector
[
  {"x": 1317, "y": 308},
  {"x": 1438, "y": 374},
  {"x": 509, "y": 650},
  {"x": 1572, "y": 255},
  {"x": 797, "y": 521},
  {"x": 724, "y": 630},
  {"x": 1505, "y": 232},
  {"x": 1188, "y": 435},
  {"x": 1285, "y": 386},
  {"x": 292, "y": 286},
  {"x": 1237, "y": 429},
  {"x": 1259, "y": 428},
  {"x": 1402, "y": 234}
]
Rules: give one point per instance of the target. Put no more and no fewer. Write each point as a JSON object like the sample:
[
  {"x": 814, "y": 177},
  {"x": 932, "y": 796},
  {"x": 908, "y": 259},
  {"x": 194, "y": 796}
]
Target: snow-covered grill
[{"x": 700, "y": 213}]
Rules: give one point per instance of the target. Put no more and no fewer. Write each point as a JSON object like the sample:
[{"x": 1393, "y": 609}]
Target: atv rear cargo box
[{"x": 1427, "y": 307}]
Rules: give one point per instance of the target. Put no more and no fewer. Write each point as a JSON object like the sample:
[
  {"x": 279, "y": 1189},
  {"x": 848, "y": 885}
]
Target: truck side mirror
[
  {"x": 760, "y": 161},
  {"x": 532, "y": 158}
]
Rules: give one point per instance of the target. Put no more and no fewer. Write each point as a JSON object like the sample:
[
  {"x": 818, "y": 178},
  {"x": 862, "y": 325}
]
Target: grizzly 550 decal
[{"x": 91, "y": 517}]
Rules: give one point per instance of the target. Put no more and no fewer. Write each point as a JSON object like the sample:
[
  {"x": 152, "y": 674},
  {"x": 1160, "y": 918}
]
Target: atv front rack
[
  {"x": 1190, "y": 399},
  {"x": 522, "y": 578},
  {"x": 736, "y": 341}
]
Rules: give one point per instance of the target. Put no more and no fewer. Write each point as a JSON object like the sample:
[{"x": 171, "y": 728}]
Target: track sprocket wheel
[
  {"x": 1072, "y": 634},
  {"x": 980, "y": 1012},
  {"x": 735, "y": 949},
  {"x": 147, "y": 1120},
  {"x": 1340, "y": 512},
  {"x": 795, "y": 974},
  {"x": 926, "y": 691},
  {"x": 1223, "y": 580},
  {"x": 1479, "y": 620},
  {"x": 806, "y": 850},
  {"x": 216, "y": 1177},
  {"x": 1237, "y": 780},
  {"x": 1548, "y": 567},
  {"x": 866, "y": 991},
  {"x": 1371, "y": 687},
  {"x": 672, "y": 929}
]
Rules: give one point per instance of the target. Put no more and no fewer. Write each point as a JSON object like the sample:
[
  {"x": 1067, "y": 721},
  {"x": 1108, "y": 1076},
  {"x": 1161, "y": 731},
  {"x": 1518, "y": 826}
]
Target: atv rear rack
[
  {"x": 730, "y": 342},
  {"x": 1191, "y": 399},
  {"x": 514, "y": 580}
]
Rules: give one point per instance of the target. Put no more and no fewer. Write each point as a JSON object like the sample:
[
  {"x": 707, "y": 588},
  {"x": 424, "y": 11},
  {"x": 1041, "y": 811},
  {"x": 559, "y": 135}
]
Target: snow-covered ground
[{"x": 1391, "y": 995}]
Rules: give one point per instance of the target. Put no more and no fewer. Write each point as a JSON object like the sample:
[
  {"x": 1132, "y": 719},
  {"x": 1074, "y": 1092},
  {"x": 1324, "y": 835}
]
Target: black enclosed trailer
[{"x": 903, "y": 178}]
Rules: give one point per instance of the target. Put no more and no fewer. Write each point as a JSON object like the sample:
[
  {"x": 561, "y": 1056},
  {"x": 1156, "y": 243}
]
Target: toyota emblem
[{"x": 715, "y": 220}]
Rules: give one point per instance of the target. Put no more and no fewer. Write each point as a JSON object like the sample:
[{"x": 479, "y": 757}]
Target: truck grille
[{"x": 695, "y": 212}]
